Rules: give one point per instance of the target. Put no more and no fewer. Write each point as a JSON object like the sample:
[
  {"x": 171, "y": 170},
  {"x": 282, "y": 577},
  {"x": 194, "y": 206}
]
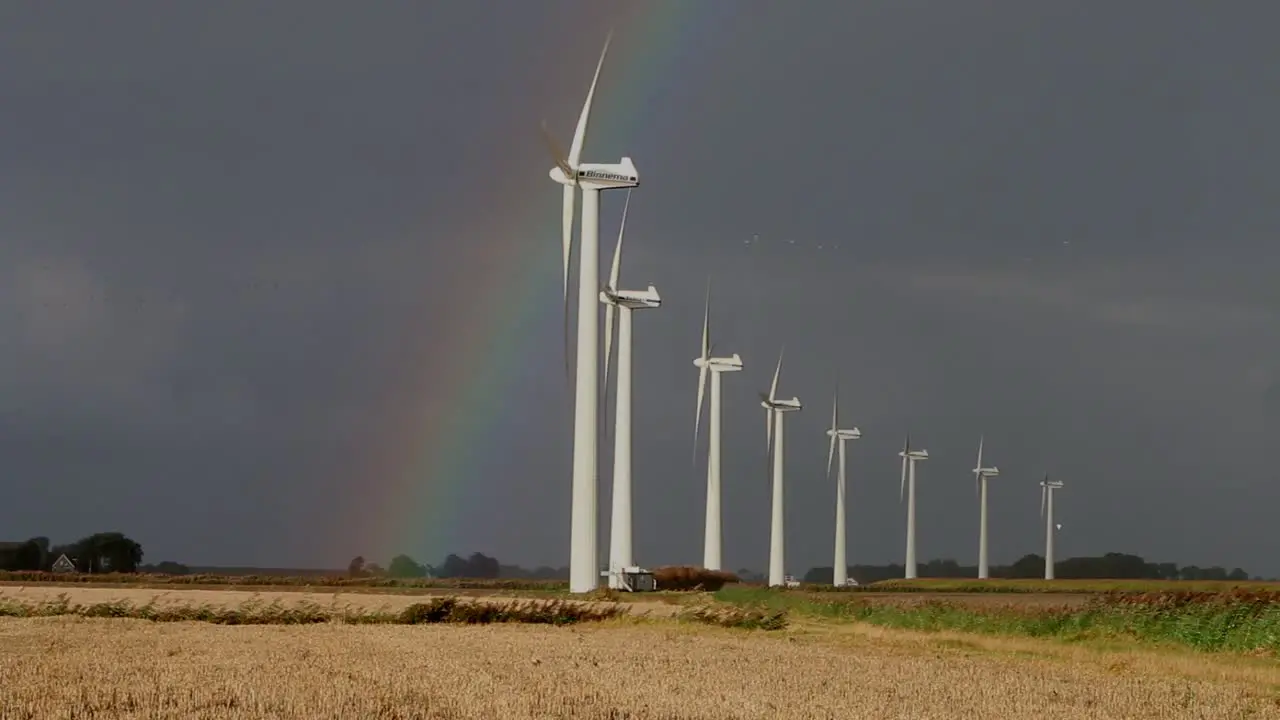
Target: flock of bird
[{"x": 591, "y": 179}]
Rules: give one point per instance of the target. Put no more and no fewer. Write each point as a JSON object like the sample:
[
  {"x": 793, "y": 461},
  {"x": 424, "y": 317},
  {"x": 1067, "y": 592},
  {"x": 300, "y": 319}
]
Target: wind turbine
[
  {"x": 1047, "y": 487},
  {"x": 624, "y": 302},
  {"x": 840, "y": 568},
  {"x": 591, "y": 178},
  {"x": 775, "y": 411},
  {"x": 909, "y": 459},
  {"x": 980, "y": 477},
  {"x": 711, "y": 543}
]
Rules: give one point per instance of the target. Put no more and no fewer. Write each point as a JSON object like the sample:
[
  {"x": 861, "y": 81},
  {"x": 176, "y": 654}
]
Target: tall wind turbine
[
  {"x": 591, "y": 178},
  {"x": 980, "y": 476},
  {"x": 909, "y": 459},
  {"x": 840, "y": 568},
  {"x": 1047, "y": 487},
  {"x": 712, "y": 537},
  {"x": 624, "y": 302},
  {"x": 775, "y": 411}
]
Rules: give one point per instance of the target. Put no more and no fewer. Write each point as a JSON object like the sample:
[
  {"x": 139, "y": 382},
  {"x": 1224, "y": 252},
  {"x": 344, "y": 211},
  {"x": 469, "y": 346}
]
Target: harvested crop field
[
  {"x": 38, "y": 594},
  {"x": 136, "y": 669}
]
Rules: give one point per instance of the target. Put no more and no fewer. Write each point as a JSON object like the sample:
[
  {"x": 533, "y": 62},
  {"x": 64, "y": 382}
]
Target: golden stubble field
[
  {"x": 651, "y": 668},
  {"x": 35, "y": 594}
]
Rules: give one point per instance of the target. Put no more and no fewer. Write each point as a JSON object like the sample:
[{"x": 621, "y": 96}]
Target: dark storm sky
[{"x": 1052, "y": 223}]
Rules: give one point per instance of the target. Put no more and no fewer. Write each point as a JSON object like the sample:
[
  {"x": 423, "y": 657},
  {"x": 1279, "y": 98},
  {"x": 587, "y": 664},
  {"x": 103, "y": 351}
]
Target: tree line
[
  {"x": 1112, "y": 565},
  {"x": 96, "y": 553},
  {"x": 477, "y": 565},
  {"x": 116, "y": 552}
]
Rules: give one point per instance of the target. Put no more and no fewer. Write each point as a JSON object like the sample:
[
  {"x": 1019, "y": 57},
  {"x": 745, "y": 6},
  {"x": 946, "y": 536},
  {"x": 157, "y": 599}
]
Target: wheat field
[
  {"x": 71, "y": 667},
  {"x": 37, "y": 594}
]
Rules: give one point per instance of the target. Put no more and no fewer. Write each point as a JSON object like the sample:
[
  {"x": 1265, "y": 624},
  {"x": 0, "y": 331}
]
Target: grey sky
[{"x": 227, "y": 233}]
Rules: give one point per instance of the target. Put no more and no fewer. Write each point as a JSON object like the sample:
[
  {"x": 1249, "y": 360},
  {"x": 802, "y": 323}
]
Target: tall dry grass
[{"x": 100, "y": 668}]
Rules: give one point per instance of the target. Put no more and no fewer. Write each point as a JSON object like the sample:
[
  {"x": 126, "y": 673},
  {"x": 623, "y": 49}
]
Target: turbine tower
[
  {"x": 712, "y": 537},
  {"x": 980, "y": 477},
  {"x": 1047, "y": 487},
  {"x": 624, "y": 302},
  {"x": 840, "y": 568},
  {"x": 591, "y": 178},
  {"x": 909, "y": 459},
  {"x": 775, "y": 411}
]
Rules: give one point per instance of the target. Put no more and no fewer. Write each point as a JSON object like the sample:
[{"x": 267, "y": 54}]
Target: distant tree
[
  {"x": 1027, "y": 566},
  {"x": 106, "y": 552},
  {"x": 29, "y": 555},
  {"x": 1238, "y": 574},
  {"x": 403, "y": 566},
  {"x": 168, "y": 567},
  {"x": 453, "y": 567},
  {"x": 482, "y": 566},
  {"x": 355, "y": 568},
  {"x": 819, "y": 575},
  {"x": 478, "y": 565}
]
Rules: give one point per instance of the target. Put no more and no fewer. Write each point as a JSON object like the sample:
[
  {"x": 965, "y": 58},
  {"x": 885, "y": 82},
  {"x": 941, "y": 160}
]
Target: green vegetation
[
  {"x": 1239, "y": 620},
  {"x": 436, "y": 610},
  {"x": 962, "y": 585}
]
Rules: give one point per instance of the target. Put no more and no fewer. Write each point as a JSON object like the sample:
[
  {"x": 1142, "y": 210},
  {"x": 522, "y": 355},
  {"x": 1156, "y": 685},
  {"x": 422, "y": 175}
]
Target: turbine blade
[
  {"x": 977, "y": 469},
  {"x": 768, "y": 429},
  {"x": 556, "y": 150},
  {"x": 697, "y": 419},
  {"x": 902, "y": 488},
  {"x": 831, "y": 453},
  {"x": 769, "y": 414},
  {"x": 835, "y": 408},
  {"x": 773, "y": 388},
  {"x": 566, "y": 224},
  {"x": 616, "y": 268},
  {"x": 835, "y": 425},
  {"x": 1043, "y": 491},
  {"x": 580, "y": 132},
  {"x": 706, "y": 325},
  {"x": 609, "y": 310}
]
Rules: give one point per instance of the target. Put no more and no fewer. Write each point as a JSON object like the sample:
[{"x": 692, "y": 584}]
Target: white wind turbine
[
  {"x": 1047, "y": 487},
  {"x": 909, "y": 459},
  {"x": 624, "y": 301},
  {"x": 775, "y": 411},
  {"x": 712, "y": 537},
  {"x": 980, "y": 476},
  {"x": 840, "y": 568},
  {"x": 591, "y": 178}
]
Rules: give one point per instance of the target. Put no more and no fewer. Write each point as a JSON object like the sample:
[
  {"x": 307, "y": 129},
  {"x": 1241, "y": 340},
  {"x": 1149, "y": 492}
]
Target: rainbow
[{"x": 427, "y": 474}]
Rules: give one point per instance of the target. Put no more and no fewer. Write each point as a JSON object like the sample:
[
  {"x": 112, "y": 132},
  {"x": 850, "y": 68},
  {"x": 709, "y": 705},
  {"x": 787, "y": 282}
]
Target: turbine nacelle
[
  {"x": 599, "y": 176},
  {"x": 987, "y": 472},
  {"x": 915, "y": 455},
  {"x": 791, "y": 405},
  {"x": 720, "y": 364},
  {"x": 850, "y": 434},
  {"x": 1051, "y": 484},
  {"x": 632, "y": 299}
]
